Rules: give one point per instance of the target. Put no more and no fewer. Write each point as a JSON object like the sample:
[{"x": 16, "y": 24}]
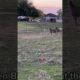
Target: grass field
[{"x": 34, "y": 40}]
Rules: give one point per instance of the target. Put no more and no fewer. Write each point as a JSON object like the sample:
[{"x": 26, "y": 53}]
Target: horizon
[{"x": 48, "y": 6}]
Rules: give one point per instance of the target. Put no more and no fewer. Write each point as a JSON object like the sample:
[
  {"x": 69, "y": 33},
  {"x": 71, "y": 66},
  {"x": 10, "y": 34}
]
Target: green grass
[
  {"x": 30, "y": 49},
  {"x": 54, "y": 71},
  {"x": 37, "y": 26}
]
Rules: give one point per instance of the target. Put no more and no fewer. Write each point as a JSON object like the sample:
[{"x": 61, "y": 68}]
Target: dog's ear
[{"x": 70, "y": 1}]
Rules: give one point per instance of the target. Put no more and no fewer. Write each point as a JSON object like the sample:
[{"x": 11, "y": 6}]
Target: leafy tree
[
  {"x": 27, "y": 9},
  {"x": 23, "y": 8},
  {"x": 59, "y": 12}
]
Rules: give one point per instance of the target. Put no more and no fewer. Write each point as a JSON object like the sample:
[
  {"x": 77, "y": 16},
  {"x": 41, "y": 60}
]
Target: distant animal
[
  {"x": 42, "y": 59},
  {"x": 51, "y": 62},
  {"x": 54, "y": 30},
  {"x": 75, "y": 10}
]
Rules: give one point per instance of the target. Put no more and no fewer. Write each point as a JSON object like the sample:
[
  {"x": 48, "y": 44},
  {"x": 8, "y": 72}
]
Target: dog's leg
[
  {"x": 76, "y": 21},
  {"x": 51, "y": 32}
]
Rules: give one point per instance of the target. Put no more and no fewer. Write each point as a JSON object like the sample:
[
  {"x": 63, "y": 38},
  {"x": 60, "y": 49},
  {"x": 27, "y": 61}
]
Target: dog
[{"x": 56, "y": 30}]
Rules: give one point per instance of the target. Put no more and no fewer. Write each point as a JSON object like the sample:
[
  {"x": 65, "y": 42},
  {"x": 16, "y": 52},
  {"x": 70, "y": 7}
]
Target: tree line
[{"x": 26, "y": 8}]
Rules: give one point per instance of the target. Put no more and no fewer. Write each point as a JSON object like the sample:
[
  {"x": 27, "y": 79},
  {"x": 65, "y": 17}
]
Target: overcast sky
[{"x": 47, "y": 6}]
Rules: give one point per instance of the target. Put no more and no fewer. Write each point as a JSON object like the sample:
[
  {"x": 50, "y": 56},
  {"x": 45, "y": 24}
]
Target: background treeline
[{"x": 26, "y": 8}]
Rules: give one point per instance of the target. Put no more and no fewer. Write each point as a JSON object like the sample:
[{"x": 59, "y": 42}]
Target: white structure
[
  {"x": 59, "y": 20},
  {"x": 23, "y": 18},
  {"x": 50, "y": 17}
]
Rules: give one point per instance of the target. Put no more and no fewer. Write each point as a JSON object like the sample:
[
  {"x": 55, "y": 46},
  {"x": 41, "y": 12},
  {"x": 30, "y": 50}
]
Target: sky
[{"x": 48, "y": 6}]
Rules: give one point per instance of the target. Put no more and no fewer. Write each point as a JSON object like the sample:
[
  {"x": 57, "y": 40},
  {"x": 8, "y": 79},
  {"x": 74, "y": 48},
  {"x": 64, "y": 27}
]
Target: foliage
[
  {"x": 59, "y": 12},
  {"x": 26, "y": 8}
]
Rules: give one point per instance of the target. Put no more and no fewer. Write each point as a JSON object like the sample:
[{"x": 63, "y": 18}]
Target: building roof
[{"x": 51, "y": 15}]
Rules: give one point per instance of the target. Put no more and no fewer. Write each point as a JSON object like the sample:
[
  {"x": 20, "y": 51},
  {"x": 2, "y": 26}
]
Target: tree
[
  {"x": 26, "y": 8},
  {"x": 59, "y": 12},
  {"x": 23, "y": 8}
]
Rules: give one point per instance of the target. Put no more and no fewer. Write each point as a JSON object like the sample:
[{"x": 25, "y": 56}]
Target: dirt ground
[{"x": 38, "y": 35}]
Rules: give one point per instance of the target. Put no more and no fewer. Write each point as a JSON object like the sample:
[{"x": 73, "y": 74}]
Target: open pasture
[{"x": 35, "y": 41}]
